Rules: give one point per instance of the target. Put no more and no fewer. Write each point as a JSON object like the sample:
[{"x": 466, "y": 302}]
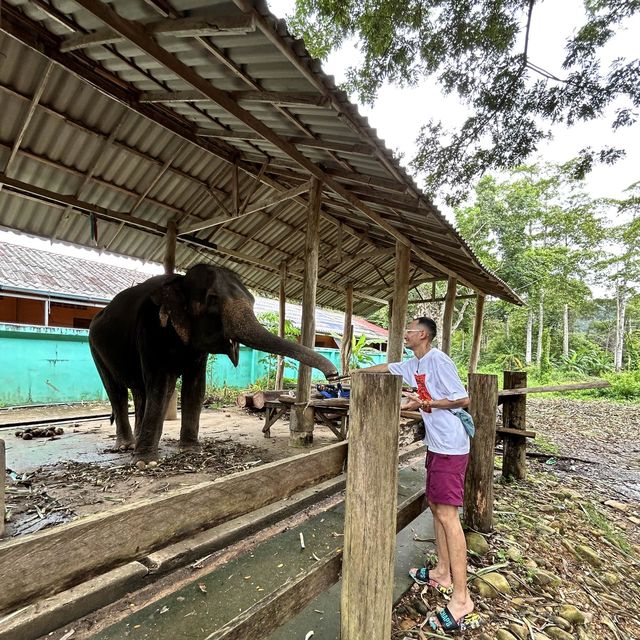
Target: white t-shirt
[{"x": 444, "y": 431}]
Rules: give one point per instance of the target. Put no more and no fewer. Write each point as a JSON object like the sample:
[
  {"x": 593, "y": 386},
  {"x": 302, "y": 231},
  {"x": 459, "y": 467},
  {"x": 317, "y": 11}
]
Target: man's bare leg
[
  {"x": 441, "y": 572},
  {"x": 460, "y": 603}
]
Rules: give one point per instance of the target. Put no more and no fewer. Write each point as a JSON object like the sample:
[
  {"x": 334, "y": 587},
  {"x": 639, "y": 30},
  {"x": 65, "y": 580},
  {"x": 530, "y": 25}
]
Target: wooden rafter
[
  {"x": 269, "y": 97},
  {"x": 254, "y": 208},
  {"x": 305, "y": 141},
  {"x": 60, "y": 200},
  {"x": 179, "y": 27}
]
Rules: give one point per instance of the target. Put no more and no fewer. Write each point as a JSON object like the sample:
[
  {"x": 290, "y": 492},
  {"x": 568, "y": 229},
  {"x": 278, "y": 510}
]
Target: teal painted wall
[
  {"x": 46, "y": 364},
  {"x": 40, "y": 365}
]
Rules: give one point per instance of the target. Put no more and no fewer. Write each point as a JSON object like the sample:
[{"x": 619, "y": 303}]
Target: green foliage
[
  {"x": 361, "y": 353},
  {"x": 220, "y": 396},
  {"x": 478, "y": 50}
]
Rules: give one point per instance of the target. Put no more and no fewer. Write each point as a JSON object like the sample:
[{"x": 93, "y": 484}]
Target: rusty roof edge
[{"x": 312, "y": 66}]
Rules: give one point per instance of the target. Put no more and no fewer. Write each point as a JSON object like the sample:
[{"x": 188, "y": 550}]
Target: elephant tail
[{"x": 112, "y": 418}]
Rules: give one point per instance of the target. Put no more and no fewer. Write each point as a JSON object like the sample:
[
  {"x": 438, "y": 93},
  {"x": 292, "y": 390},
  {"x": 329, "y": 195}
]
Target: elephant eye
[{"x": 212, "y": 301}]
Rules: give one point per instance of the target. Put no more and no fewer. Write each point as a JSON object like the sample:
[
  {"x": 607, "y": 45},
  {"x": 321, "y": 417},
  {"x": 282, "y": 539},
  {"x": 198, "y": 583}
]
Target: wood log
[
  {"x": 574, "y": 386},
  {"x": 447, "y": 320},
  {"x": 514, "y": 417},
  {"x": 261, "y": 397},
  {"x": 478, "y": 487},
  {"x": 477, "y": 334},
  {"x": 245, "y": 401},
  {"x": 399, "y": 306},
  {"x": 370, "y": 507}
]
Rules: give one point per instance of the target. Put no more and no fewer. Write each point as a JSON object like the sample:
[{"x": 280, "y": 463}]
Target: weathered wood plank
[
  {"x": 447, "y": 319},
  {"x": 370, "y": 510},
  {"x": 280, "y": 606},
  {"x": 477, "y": 334},
  {"x": 301, "y": 423},
  {"x": 80, "y": 549},
  {"x": 478, "y": 488},
  {"x": 596, "y": 384},
  {"x": 399, "y": 307},
  {"x": 514, "y": 418}
]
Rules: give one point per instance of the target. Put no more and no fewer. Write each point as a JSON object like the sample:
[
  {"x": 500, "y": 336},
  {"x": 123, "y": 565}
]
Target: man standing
[{"x": 439, "y": 389}]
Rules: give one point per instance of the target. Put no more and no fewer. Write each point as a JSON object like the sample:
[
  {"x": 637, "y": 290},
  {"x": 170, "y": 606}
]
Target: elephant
[{"x": 165, "y": 327}]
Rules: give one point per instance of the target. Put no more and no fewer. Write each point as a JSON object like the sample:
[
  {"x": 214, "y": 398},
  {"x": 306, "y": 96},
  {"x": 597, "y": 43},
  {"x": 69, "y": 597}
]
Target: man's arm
[{"x": 376, "y": 368}]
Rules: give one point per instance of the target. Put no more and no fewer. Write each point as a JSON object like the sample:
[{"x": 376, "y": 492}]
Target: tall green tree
[
  {"x": 479, "y": 51},
  {"x": 621, "y": 268},
  {"x": 537, "y": 230}
]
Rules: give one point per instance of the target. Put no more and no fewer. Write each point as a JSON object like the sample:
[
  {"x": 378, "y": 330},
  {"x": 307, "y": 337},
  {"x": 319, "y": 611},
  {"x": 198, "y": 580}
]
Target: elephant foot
[
  {"x": 189, "y": 445},
  {"x": 145, "y": 459},
  {"x": 142, "y": 465},
  {"x": 124, "y": 444}
]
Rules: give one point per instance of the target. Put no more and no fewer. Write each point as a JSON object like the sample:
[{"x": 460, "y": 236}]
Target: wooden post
[
  {"x": 370, "y": 511},
  {"x": 347, "y": 331},
  {"x": 281, "y": 322},
  {"x": 514, "y": 416},
  {"x": 399, "y": 307},
  {"x": 477, "y": 334},
  {"x": 301, "y": 422},
  {"x": 478, "y": 486},
  {"x": 169, "y": 264},
  {"x": 447, "y": 320},
  {"x": 3, "y": 479}
]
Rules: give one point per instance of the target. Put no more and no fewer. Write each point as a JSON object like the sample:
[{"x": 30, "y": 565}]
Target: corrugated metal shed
[
  {"x": 117, "y": 118},
  {"x": 31, "y": 270}
]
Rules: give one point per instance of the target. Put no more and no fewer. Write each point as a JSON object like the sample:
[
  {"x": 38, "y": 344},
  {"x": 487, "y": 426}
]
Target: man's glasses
[{"x": 410, "y": 330}]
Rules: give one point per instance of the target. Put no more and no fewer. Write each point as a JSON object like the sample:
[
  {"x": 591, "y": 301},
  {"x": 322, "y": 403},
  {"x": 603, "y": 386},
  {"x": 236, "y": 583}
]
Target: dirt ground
[
  {"x": 52, "y": 480},
  {"x": 563, "y": 559}
]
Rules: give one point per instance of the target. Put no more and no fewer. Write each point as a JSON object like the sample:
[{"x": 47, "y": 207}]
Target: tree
[
  {"x": 479, "y": 50},
  {"x": 537, "y": 230},
  {"x": 622, "y": 267}
]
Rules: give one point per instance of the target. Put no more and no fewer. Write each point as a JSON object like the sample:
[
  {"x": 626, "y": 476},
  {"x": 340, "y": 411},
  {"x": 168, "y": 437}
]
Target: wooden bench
[{"x": 326, "y": 410}]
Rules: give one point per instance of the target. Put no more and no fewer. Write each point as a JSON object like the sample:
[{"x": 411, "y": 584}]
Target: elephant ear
[{"x": 172, "y": 305}]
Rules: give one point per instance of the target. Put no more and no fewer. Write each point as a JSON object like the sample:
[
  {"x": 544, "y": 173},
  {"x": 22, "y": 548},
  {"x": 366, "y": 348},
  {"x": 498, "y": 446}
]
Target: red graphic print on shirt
[{"x": 423, "y": 392}]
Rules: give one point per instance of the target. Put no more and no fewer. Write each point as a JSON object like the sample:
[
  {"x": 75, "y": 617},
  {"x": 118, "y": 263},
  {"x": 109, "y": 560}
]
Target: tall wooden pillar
[
  {"x": 281, "y": 322},
  {"x": 400, "y": 298},
  {"x": 347, "y": 331},
  {"x": 478, "y": 486},
  {"x": 301, "y": 424},
  {"x": 477, "y": 334},
  {"x": 169, "y": 264},
  {"x": 370, "y": 507},
  {"x": 447, "y": 319}
]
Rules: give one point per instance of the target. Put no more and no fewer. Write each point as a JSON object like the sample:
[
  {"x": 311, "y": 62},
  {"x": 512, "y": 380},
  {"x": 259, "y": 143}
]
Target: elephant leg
[
  {"x": 138, "y": 402},
  {"x": 158, "y": 389},
  {"x": 119, "y": 399},
  {"x": 192, "y": 395}
]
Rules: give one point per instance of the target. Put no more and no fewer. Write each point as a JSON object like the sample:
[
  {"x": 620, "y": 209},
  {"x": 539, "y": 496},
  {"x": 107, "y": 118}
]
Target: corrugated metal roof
[
  {"x": 93, "y": 145},
  {"x": 28, "y": 269}
]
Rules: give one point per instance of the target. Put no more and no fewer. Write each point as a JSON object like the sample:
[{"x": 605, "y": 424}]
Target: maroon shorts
[{"x": 445, "y": 478}]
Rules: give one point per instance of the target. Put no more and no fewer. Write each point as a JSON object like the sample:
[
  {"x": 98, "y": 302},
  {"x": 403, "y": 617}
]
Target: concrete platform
[{"x": 199, "y": 609}]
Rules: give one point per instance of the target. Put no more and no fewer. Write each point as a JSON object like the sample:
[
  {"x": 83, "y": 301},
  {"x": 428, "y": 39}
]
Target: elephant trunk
[{"x": 241, "y": 324}]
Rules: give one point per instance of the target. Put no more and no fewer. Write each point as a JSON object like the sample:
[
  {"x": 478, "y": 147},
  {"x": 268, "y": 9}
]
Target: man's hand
[{"x": 415, "y": 402}]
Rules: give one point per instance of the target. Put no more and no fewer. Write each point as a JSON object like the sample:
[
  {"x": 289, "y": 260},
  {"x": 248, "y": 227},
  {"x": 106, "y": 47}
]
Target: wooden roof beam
[
  {"x": 269, "y": 97},
  {"x": 179, "y": 27},
  {"x": 305, "y": 141},
  {"x": 254, "y": 208}
]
